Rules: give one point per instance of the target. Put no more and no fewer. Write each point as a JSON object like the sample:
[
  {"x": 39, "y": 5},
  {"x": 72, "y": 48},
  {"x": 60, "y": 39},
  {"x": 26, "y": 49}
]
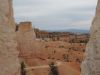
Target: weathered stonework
[
  {"x": 91, "y": 64},
  {"x": 9, "y": 64}
]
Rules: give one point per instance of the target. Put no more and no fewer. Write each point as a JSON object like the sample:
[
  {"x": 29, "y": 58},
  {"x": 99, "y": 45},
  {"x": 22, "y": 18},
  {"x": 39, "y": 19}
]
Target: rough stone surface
[
  {"x": 25, "y": 39},
  {"x": 9, "y": 64},
  {"x": 91, "y": 64},
  {"x": 27, "y": 46}
]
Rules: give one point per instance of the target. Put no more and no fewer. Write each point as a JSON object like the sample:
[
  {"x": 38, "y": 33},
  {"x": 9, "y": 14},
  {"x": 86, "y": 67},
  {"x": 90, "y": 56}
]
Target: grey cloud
[{"x": 56, "y": 14}]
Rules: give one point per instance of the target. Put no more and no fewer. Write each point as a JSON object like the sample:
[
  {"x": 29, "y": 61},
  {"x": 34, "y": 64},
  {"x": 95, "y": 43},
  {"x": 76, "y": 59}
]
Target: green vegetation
[
  {"x": 66, "y": 58},
  {"x": 53, "y": 69},
  {"x": 23, "y": 71},
  {"x": 61, "y": 46}
]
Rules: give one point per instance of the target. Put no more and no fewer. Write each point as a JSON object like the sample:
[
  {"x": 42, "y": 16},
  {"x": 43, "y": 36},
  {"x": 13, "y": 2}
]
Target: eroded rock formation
[
  {"x": 9, "y": 64},
  {"x": 25, "y": 38},
  {"x": 28, "y": 46},
  {"x": 39, "y": 53},
  {"x": 62, "y": 36},
  {"x": 91, "y": 64}
]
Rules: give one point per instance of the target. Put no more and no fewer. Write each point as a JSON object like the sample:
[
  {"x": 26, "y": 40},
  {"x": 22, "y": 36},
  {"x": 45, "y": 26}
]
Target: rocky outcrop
[
  {"x": 25, "y": 39},
  {"x": 91, "y": 64},
  {"x": 9, "y": 64},
  {"x": 39, "y": 53},
  {"x": 61, "y": 36},
  {"x": 28, "y": 46},
  {"x": 25, "y": 27},
  {"x": 27, "y": 43}
]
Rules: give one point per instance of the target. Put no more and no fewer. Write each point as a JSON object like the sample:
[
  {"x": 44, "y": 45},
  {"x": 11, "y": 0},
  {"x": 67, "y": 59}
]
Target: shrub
[
  {"x": 53, "y": 69},
  {"x": 61, "y": 46},
  {"x": 23, "y": 71}
]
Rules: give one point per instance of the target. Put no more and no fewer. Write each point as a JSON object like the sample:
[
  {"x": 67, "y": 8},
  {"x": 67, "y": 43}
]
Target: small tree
[
  {"x": 66, "y": 58},
  {"x": 53, "y": 69},
  {"x": 23, "y": 71}
]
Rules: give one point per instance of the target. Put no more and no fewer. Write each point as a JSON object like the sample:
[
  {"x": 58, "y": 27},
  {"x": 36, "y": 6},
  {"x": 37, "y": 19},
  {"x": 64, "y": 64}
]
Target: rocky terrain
[
  {"x": 91, "y": 64},
  {"x": 62, "y": 36},
  {"x": 9, "y": 63},
  {"x": 37, "y": 53},
  {"x": 28, "y": 51}
]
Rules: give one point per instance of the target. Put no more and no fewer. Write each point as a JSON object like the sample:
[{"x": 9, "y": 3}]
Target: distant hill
[{"x": 71, "y": 30}]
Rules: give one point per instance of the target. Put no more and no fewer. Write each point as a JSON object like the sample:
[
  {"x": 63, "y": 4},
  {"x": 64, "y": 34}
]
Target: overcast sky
[{"x": 56, "y": 14}]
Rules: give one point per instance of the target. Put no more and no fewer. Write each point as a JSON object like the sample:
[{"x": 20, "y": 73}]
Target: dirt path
[{"x": 44, "y": 66}]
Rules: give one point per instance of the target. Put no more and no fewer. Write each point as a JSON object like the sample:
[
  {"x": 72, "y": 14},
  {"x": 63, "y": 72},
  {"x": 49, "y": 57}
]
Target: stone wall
[
  {"x": 91, "y": 64},
  {"x": 9, "y": 63}
]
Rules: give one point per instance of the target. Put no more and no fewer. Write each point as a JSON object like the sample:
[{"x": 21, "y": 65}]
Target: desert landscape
[
  {"x": 26, "y": 50},
  {"x": 41, "y": 48}
]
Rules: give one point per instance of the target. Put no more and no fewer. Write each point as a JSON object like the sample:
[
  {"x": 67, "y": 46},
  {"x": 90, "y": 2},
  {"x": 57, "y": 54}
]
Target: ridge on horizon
[{"x": 69, "y": 30}]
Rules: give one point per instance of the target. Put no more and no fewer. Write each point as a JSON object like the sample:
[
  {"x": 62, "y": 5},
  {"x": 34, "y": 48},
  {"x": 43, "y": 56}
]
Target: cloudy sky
[{"x": 56, "y": 14}]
